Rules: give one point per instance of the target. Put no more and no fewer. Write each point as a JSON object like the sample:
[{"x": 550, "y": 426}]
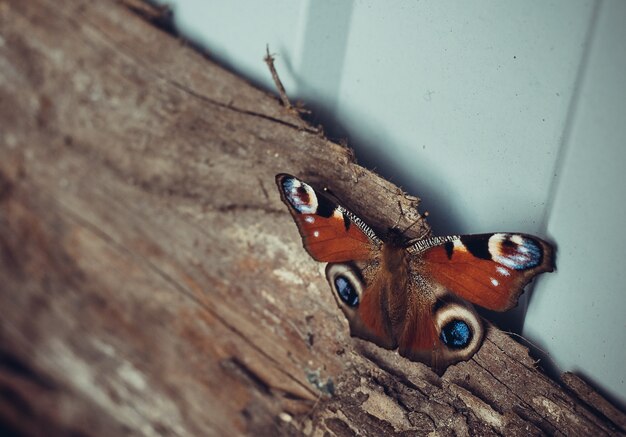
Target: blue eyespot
[
  {"x": 346, "y": 291},
  {"x": 456, "y": 334},
  {"x": 519, "y": 252}
]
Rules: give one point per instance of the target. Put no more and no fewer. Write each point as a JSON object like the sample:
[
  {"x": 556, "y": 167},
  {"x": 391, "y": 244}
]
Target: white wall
[{"x": 501, "y": 115}]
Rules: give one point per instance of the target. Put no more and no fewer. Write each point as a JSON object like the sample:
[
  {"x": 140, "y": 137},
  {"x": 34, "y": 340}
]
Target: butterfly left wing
[
  {"x": 329, "y": 232},
  {"x": 489, "y": 270},
  {"x": 332, "y": 234},
  {"x": 440, "y": 330},
  {"x": 361, "y": 292}
]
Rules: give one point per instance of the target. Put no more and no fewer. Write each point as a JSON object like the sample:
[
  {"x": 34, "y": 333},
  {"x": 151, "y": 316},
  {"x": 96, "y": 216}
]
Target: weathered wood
[{"x": 152, "y": 283}]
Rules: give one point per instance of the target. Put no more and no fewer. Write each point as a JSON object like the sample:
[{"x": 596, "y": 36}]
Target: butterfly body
[{"x": 413, "y": 295}]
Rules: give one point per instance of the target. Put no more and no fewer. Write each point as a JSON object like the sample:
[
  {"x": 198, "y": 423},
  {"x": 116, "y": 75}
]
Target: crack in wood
[
  {"x": 246, "y": 372},
  {"x": 263, "y": 190},
  {"x": 593, "y": 401},
  {"x": 236, "y": 207},
  {"x": 381, "y": 364},
  {"x": 512, "y": 357},
  {"x": 544, "y": 420},
  {"x": 242, "y": 111},
  {"x": 6, "y": 186}
]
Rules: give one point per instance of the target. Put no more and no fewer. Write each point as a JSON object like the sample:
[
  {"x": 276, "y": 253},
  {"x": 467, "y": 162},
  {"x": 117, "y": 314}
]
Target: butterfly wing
[
  {"x": 489, "y": 270},
  {"x": 396, "y": 309},
  {"x": 414, "y": 303},
  {"x": 439, "y": 329},
  {"x": 329, "y": 232},
  {"x": 361, "y": 293},
  {"x": 332, "y": 234}
]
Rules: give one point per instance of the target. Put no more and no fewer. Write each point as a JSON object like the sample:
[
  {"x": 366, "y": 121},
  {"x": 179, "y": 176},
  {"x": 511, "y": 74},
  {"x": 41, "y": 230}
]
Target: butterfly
[{"x": 413, "y": 295}]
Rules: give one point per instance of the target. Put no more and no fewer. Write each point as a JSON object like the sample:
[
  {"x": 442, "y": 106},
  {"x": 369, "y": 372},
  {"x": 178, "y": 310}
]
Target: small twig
[
  {"x": 269, "y": 60},
  {"x": 297, "y": 108}
]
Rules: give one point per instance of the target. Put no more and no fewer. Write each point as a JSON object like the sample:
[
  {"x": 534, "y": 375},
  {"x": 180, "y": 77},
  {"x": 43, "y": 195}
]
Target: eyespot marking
[
  {"x": 300, "y": 195},
  {"x": 456, "y": 334},
  {"x": 516, "y": 252},
  {"x": 346, "y": 291}
]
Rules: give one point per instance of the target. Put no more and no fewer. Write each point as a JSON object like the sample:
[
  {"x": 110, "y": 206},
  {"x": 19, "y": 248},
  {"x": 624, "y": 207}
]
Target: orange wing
[
  {"x": 489, "y": 270},
  {"x": 329, "y": 232},
  {"x": 440, "y": 334},
  {"x": 363, "y": 303}
]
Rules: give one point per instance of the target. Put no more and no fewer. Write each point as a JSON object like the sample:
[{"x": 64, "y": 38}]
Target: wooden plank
[{"x": 151, "y": 281}]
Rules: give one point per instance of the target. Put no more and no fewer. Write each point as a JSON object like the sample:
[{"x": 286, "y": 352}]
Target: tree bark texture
[{"x": 152, "y": 282}]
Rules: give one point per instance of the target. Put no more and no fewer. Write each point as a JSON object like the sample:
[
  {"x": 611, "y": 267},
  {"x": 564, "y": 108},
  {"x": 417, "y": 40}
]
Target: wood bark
[{"x": 152, "y": 282}]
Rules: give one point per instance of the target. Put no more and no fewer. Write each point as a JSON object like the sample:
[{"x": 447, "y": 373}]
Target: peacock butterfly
[{"x": 413, "y": 295}]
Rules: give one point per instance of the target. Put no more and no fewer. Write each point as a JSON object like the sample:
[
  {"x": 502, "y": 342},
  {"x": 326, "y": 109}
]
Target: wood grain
[{"x": 152, "y": 283}]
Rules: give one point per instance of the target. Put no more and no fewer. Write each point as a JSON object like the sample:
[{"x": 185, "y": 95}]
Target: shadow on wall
[
  {"x": 436, "y": 202},
  {"x": 375, "y": 158}
]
